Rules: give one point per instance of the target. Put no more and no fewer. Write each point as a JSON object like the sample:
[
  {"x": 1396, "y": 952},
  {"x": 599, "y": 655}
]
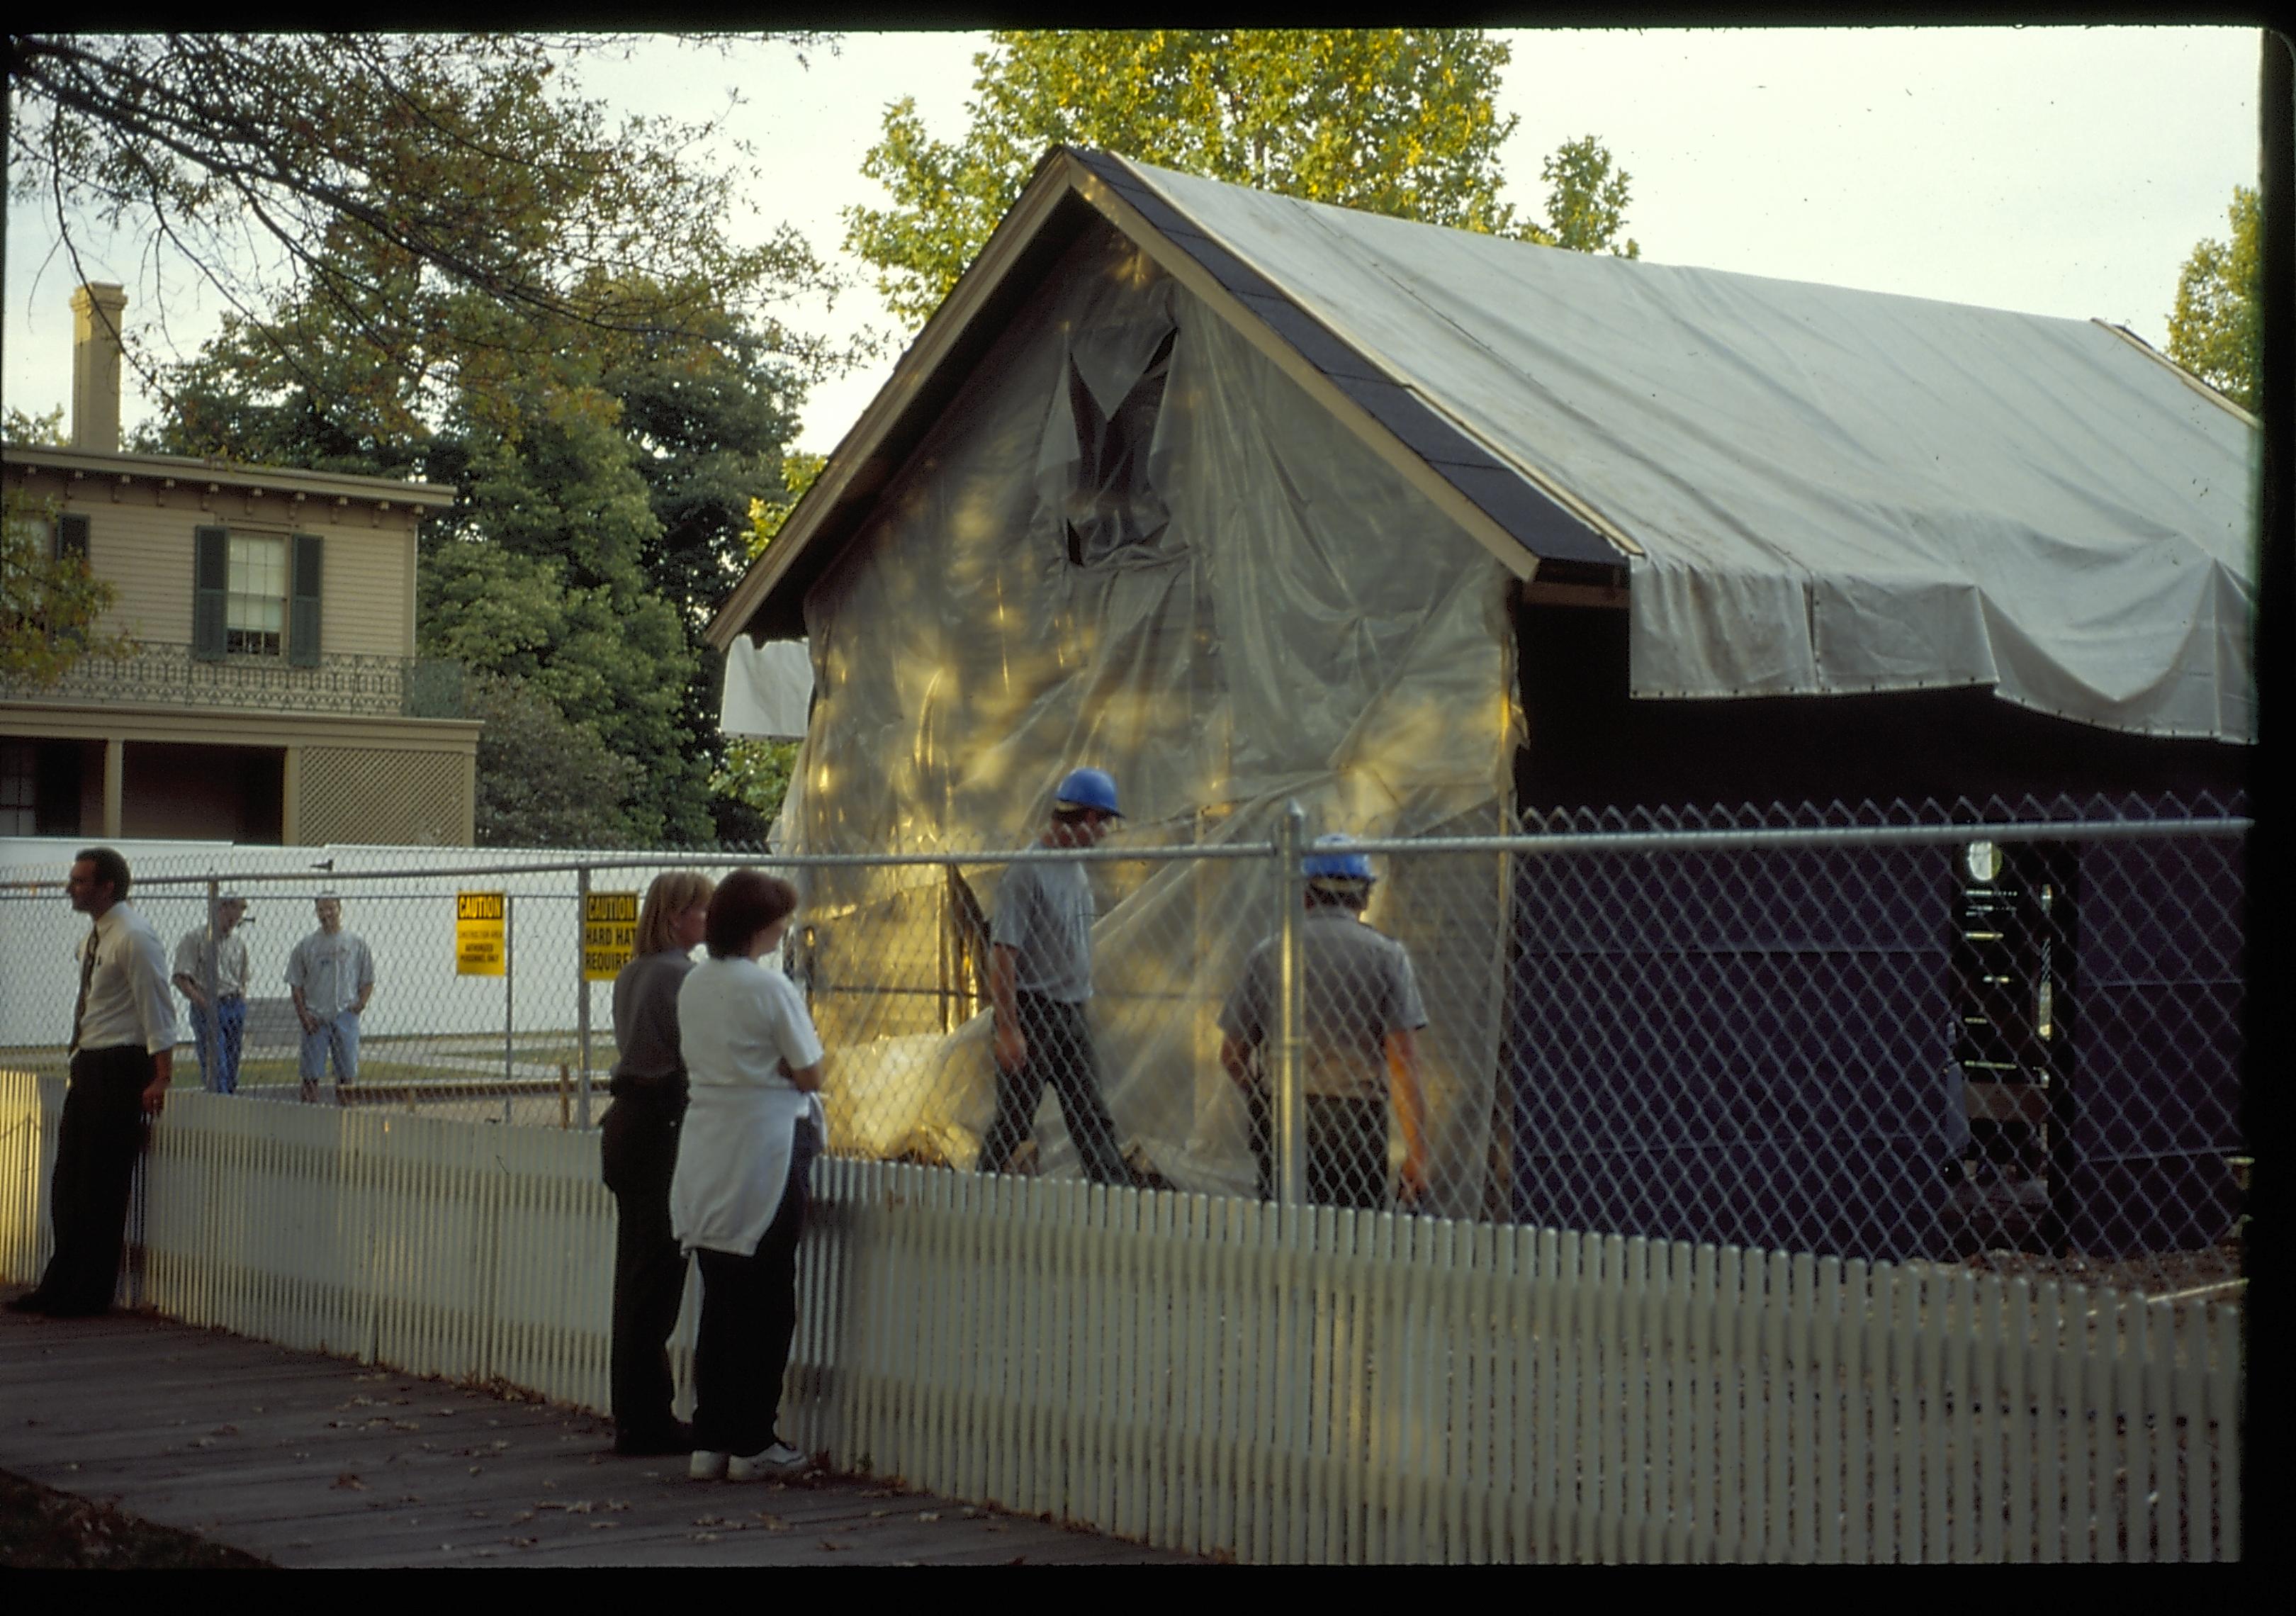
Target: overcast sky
[{"x": 2056, "y": 171}]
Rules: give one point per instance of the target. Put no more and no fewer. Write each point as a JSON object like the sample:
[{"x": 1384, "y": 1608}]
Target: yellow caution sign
[
  {"x": 479, "y": 948},
  {"x": 610, "y": 934}
]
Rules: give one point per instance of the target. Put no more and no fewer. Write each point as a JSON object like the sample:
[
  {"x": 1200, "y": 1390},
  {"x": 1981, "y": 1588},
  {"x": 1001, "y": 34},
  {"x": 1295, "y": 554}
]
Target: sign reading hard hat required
[
  {"x": 610, "y": 934},
  {"x": 478, "y": 949}
]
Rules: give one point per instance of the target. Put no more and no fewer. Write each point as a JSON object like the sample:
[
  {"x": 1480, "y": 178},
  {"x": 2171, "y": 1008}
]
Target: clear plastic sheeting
[
  {"x": 1132, "y": 542},
  {"x": 1832, "y": 490}
]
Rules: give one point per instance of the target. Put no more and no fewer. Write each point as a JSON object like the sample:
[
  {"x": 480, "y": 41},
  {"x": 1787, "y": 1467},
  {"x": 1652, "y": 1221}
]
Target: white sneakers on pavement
[{"x": 775, "y": 1463}]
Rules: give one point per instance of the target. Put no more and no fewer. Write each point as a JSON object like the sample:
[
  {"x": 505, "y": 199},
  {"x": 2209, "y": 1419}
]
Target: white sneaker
[
  {"x": 705, "y": 1466},
  {"x": 777, "y": 1463}
]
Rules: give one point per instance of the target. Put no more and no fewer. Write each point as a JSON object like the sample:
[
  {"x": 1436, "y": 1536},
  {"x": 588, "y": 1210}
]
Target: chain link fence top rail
[{"x": 2004, "y": 1034}]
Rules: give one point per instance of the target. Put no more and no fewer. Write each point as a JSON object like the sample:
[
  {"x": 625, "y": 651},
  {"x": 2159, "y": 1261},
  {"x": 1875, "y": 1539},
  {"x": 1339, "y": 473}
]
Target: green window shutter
[
  {"x": 303, "y": 600},
  {"x": 71, "y": 535},
  {"x": 211, "y": 584}
]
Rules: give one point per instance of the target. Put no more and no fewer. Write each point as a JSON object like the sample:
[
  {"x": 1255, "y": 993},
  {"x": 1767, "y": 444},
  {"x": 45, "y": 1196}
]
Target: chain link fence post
[
  {"x": 510, "y": 995},
  {"x": 206, "y": 1029},
  {"x": 1290, "y": 830},
  {"x": 582, "y": 988}
]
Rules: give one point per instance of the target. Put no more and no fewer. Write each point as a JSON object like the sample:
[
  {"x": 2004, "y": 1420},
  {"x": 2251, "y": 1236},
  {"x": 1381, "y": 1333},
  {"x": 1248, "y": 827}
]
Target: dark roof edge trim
[{"x": 1608, "y": 540}]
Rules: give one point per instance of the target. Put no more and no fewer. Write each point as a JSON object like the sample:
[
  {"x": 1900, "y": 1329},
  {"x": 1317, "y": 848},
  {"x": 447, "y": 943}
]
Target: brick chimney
[{"x": 96, "y": 310}]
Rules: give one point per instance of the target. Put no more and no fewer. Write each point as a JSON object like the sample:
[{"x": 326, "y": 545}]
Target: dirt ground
[
  {"x": 43, "y": 1529},
  {"x": 2156, "y": 1273}
]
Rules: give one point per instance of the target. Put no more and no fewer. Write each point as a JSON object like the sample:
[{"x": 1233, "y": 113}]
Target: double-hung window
[
  {"x": 256, "y": 594},
  {"x": 255, "y": 606}
]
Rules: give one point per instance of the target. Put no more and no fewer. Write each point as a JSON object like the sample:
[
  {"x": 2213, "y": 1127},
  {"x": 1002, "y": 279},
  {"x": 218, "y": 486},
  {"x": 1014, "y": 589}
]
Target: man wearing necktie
[{"x": 123, "y": 1048}]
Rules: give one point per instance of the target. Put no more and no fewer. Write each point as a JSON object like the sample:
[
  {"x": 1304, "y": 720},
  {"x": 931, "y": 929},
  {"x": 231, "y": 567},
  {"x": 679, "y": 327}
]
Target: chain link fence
[{"x": 2003, "y": 1035}]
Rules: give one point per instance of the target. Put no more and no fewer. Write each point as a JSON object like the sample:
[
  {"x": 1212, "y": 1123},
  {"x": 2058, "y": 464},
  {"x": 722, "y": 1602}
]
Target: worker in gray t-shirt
[
  {"x": 330, "y": 976},
  {"x": 1040, "y": 982},
  {"x": 1359, "y": 1054}
]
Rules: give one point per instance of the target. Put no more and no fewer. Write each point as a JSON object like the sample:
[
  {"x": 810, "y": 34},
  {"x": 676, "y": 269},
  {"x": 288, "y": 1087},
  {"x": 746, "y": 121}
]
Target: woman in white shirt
[{"x": 753, "y": 1124}]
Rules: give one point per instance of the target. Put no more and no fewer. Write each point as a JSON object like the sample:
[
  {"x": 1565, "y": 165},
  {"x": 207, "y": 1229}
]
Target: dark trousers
[
  {"x": 749, "y": 1313},
  {"x": 99, "y": 1136},
  {"x": 1060, "y": 1052},
  {"x": 638, "y": 1148},
  {"x": 1346, "y": 1147}
]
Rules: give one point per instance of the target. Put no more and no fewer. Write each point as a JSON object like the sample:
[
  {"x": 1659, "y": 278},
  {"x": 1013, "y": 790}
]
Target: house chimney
[{"x": 96, "y": 309}]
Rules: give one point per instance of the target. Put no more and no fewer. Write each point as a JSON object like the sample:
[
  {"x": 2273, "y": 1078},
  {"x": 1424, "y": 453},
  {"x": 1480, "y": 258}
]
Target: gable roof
[{"x": 1805, "y": 488}]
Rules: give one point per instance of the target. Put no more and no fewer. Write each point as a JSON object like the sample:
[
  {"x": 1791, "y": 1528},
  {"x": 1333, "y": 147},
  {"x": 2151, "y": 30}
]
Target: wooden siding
[{"x": 140, "y": 539}]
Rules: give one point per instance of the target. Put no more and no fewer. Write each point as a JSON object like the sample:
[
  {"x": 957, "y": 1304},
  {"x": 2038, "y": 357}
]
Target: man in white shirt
[
  {"x": 123, "y": 1046},
  {"x": 332, "y": 976},
  {"x": 212, "y": 961}
]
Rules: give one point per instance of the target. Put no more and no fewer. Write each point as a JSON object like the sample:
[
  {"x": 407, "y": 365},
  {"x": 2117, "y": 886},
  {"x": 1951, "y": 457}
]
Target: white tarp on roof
[{"x": 1832, "y": 490}]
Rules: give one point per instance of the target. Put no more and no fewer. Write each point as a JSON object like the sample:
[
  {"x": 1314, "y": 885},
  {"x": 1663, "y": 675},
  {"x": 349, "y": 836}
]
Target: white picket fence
[{"x": 1211, "y": 1375}]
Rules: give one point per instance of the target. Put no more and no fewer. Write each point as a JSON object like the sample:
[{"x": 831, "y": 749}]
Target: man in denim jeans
[
  {"x": 213, "y": 960},
  {"x": 332, "y": 975}
]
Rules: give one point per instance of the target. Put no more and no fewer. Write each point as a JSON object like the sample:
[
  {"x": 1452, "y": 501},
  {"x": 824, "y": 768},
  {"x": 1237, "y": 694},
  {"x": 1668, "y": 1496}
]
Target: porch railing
[{"x": 160, "y": 672}]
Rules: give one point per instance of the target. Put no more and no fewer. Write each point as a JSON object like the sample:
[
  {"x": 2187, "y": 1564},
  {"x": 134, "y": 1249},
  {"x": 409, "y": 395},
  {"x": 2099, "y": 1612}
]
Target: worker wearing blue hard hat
[
  {"x": 1360, "y": 1066},
  {"x": 1040, "y": 984}
]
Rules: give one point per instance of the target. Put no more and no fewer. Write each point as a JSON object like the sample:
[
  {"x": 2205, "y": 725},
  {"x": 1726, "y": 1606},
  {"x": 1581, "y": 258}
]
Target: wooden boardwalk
[{"x": 313, "y": 1461}]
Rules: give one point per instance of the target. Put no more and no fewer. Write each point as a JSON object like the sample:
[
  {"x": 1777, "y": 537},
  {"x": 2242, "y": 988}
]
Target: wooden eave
[{"x": 183, "y": 470}]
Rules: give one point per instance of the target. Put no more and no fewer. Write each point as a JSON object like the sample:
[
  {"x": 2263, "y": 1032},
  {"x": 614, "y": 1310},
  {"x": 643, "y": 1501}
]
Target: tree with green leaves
[
  {"x": 405, "y": 191},
  {"x": 50, "y": 603},
  {"x": 603, "y": 490},
  {"x": 1390, "y": 120},
  {"x": 2215, "y": 331},
  {"x": 544, "y": 781}
]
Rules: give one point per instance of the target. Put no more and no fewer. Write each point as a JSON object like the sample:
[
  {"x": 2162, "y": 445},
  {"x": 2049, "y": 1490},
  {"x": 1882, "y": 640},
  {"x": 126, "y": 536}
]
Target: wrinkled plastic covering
[
  {"x": 768, "y": 689},
  {"x": 1259, "y": 612},
  {"x": 1834, "y": 490}
]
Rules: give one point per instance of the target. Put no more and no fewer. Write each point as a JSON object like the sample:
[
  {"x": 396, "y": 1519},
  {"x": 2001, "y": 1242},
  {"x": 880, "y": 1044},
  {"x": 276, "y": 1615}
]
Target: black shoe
[
  {"x": 31, "y": 1301},
  {"x": 76, "y": 1309},
  {"x": 654, "y": 1444}
]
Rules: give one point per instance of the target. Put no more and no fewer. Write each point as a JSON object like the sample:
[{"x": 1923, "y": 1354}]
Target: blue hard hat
[
  {"x": 1092, "y": 788},
  {"x": 1335, "y": 865}
]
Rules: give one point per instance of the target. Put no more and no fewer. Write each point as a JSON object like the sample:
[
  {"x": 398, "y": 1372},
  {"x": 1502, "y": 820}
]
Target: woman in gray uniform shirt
[{"x": 638, "y": 1150}]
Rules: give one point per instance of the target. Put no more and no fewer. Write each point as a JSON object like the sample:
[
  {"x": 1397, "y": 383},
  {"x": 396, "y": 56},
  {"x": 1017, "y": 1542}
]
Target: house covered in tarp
[{"x": 1251, "y": 500}]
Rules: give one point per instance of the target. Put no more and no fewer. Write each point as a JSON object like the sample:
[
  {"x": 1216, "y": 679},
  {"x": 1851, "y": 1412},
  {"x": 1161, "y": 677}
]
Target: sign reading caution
[
  {"x": 610, "y": 934},
  {"x": 479, "y": 948}
]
